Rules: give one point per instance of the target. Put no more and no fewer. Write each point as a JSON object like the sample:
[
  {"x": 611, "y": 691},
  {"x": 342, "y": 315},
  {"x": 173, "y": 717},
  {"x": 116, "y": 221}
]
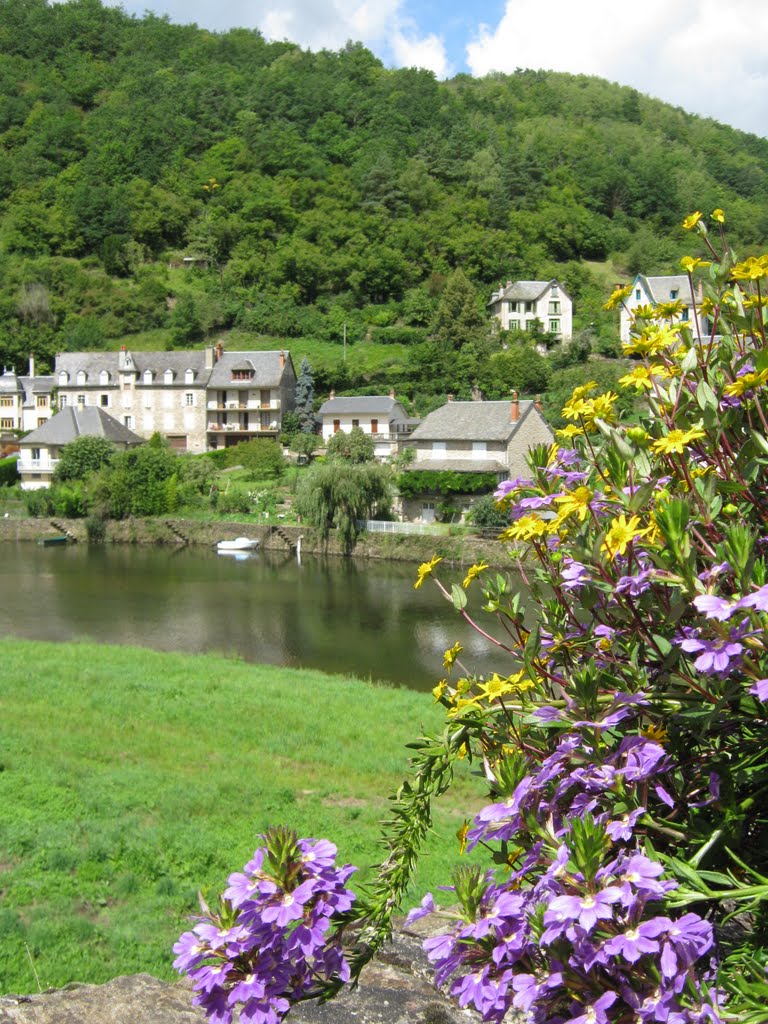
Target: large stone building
[
  {"x": 523, "y": 305},
  {"x": 25, "y": 402},
  {"x": 199, "y": 400}
]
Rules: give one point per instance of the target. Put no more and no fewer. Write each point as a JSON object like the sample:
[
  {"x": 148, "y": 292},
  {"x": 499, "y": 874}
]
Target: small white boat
[{"x": 227, "y": 547}]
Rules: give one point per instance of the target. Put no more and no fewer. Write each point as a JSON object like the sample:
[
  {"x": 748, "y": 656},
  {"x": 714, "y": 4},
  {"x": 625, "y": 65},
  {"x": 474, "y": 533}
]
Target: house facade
[
  {"x": 198, "y": 400},
  {"x": 475, "y": 437},
  {"x": 671, "y": 288},
  {"x": 382, "y": 417},
  {"x": 26, "y": 401},
  {"x": 40, "y": 450},
  {"x": 520, "y": 305}
]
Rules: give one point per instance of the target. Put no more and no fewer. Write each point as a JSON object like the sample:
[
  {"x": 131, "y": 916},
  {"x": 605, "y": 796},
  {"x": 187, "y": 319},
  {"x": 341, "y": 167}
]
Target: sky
[{"x": 709, "y": 57}]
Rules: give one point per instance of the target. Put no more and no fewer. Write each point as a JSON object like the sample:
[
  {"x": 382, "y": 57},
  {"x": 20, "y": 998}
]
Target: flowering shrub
[{"x": 623, "y": 746}]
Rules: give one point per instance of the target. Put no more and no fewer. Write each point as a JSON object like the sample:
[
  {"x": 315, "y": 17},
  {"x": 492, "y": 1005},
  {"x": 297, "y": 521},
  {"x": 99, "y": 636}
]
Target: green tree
[
  {"x": 458, "y": 320},
  {"x": 83, "y": 456},
  {"x": 355, "y": 446},
  {"x": 305, "y": 398},
  {"x": 336, "y": 495},
  {"x": 262, "y": 456}
]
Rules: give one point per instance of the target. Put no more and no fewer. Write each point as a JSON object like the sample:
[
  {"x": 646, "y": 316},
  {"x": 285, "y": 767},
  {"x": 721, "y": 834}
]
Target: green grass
[{"x": 130, "y": 779}]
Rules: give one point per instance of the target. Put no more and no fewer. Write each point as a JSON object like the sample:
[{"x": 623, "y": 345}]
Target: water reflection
[{"x": 362, "y": 618}]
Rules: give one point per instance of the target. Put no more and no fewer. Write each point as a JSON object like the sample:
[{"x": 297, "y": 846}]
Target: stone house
[
  {"x": 475, "y": 437},
  {"x": 26, "y": 401},
  {"x": 40, "y": 450},
  {"x": 519, "y": 305},
  {"x": 383, "y": 417},
  {"x": 199, "y": 400},
  {"x": 656, "y": 290}
]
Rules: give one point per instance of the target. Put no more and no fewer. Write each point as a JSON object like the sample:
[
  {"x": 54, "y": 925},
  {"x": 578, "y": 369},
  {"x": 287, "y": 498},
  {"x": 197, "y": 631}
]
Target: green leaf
[
  {"x": 690, "y": 360},
  {"x": 459, "y": 597},
  {"x": 705, "y": 396}
]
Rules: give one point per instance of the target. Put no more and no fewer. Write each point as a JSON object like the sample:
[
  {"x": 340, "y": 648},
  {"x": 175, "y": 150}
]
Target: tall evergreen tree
[{"x": 305, "y": 398}]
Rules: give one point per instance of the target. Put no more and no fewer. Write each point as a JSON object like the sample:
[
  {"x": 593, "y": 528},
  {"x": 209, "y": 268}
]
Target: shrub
[{"x": 9, "y": 472}]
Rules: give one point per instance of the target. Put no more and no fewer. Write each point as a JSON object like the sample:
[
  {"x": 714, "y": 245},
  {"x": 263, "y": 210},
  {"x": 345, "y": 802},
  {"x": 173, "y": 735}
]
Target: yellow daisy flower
[
  {"x": 426, "y": 569},
  {"x": 690, "y": 222},
  {"x": 473, "y": 572},
  {"x": 676, "y": 441},
  {"x": 620, "y": 535},
  {"x": 450, "y": 656}
]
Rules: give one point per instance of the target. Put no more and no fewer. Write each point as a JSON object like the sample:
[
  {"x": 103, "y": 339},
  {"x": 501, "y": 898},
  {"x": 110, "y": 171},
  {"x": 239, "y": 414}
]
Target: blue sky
[{"x": 708, "y": 56}]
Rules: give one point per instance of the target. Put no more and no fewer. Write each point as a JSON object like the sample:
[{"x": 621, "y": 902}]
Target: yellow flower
[
  {"x": 621, "y": 534},
  {"x": 669, "y": 310},
  {"x": 496, "y": 686},
  {"x": 656, "y": 733},
  {"x": 473, "y": 572},
  {"x": 570, "y": 431},
  {"x": 753, "y": 268},
  {"x": 525, "y": 528},
  {"x": 439, "y": 690},
  {"x": 450, "y": 656},
  {"x": 461, "y": 705},
  {"x": 689, "y": 263},
  {"x": 676, "y": 440},
  {"x": 584, "y": 389},
  {"x": 426, "y": 569},
  {"x": 652, "y": 341},
  {"x": 644, "y": 312},
  {"x": 692, "y": 221},
  {"x": 599, "y": 408},
  {"x": 718, "y": 215},
  {"x": 575, "y": 503},
  {"x": 461, "y": 835},
  {"x": 617, "y": 296},
  {"x": 746, "y": 382}
]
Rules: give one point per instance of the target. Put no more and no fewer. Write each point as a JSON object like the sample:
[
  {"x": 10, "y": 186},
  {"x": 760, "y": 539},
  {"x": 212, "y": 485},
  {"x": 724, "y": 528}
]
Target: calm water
[{"x": 338, "y": 615}]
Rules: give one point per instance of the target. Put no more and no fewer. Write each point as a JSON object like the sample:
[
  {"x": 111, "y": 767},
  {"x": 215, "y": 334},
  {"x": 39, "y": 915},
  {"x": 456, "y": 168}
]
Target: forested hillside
[{"x": 315, "y": 191}]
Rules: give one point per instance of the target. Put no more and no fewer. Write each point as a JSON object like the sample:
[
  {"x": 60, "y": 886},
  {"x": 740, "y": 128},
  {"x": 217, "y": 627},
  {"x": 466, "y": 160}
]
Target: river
[{"x": 362, "y": 618}]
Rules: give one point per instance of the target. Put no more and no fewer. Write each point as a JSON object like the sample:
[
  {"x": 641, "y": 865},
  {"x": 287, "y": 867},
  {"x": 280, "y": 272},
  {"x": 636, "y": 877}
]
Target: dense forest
[{"x": 321, "y": 196}]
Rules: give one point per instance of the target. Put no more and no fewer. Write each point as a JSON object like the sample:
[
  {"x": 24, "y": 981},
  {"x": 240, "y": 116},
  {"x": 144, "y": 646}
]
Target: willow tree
[{"x": 338, "y": 495}]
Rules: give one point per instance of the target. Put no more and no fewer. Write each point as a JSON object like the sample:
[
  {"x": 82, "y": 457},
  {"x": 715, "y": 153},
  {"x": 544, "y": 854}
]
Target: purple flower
[
  {"x": 716, "y": 656},
  {"x": 574, "y": 576},
  {"x": 427, "y": 907},
  {"x": 760, "y": 689},
  {"x": 624, "y": 826},
  {"x": 757, "y": 600},
  {"x": 595, "y": 1014},
  {"x": 585, "y": 911},
  {"x": 637, "y": 940},
  {"x": 715, "y": 607},
  {"x": 635, "y": 585}
]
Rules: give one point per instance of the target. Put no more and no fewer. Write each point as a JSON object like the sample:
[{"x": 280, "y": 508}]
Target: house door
[{"x": 428, "y": 512}]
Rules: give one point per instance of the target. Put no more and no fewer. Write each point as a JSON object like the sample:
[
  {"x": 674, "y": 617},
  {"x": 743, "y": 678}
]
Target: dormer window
[
  {"x": 189, "y": 376},
  {"x": 63, "y": 378},
  {"x": 104, "y": 377},
  {"x": 168, "y": 377},
  {"x": 82, "y": 376},
  {"x": 241, "y": 373},
  {"x": 148, "y": 375},
  {"x": 673, "y": 293}
]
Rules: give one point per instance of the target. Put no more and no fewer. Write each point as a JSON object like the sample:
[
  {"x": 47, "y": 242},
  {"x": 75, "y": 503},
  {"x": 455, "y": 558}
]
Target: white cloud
[
  {"x": 427, "y": 52},
  {"x": 702, "y": 55}
]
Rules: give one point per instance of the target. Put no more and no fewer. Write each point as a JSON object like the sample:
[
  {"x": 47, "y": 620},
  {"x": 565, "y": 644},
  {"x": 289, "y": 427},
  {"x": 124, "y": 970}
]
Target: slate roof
[
  {"x": 9, "y": 383},
  {"x": 472, "y": 421},
  {"x": 382, "y": 405},
  {"x": 71, "y": 423},
  {"x": 267, "y": 371},
  {"x": 525, "y": 291},
  {"x": 660, "y": 288}
]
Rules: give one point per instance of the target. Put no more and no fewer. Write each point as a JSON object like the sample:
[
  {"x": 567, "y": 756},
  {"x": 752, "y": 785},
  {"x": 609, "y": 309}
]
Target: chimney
[
  {"x": 332, "y": 394},
  {"x": 209, "y": 358},
  {"x": 514, "y": 409},
  {"x": 121, "y": 358},
  {"x": 31, "y": 365},
  {"x": 282, "y": 359},
  {"x": 449, "y": 398},
  {"x": 538, "y": 404},
  {"x": 391, "y": 392},
  {"x": 219, "y": 351}
]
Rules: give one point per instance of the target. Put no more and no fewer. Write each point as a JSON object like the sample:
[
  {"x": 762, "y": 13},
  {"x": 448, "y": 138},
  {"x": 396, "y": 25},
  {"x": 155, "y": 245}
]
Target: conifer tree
[{"x": 305, "y": 399}]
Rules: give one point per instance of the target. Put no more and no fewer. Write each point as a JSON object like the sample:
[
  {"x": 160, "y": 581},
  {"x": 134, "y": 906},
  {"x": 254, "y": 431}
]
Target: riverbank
[
  {"x": 131, "y": 779},
  {"x": 459, "y": 549}
]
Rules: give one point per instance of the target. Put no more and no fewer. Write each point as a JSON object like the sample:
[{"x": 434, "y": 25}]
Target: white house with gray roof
[
  {"x": 520, "y": 305},
  {"x": 381, "y": 416},
  {"x": 40, "y": 450},
  {"x": 475, "y": 437},
  {"x": 199, "y": 400},
  {"x": 25, "y": 402},
  {"x": 670, "y": 288}
]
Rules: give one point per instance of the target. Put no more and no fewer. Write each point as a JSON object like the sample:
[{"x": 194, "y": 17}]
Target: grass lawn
[{"x": 130, "y": 779}]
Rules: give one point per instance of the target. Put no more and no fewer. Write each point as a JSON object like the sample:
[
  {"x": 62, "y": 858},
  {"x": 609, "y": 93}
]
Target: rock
[{"x": 394, "y": 989}]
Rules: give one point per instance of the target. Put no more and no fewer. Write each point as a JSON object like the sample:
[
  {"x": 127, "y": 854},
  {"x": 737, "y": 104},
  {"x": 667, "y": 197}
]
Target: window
[
  {"x": 63, "y": 378},
  {"x": 638, "y": 296},
  {"x": 6, "y": 424},
  {"x": 81, "y": 399},
  {"x": 355, "y": 423},
  {"x": 374, "y": 426},
  {"x": 35, "y": 454},
  {"x": 512, "y": 307},
  {"x": 673, "y": 293},
  {"x": 479, "y": 447},
  {"x": 514, "y": 325},
  {"x": 189, "y": 376},
  {"x": 685, "y": 313},
  {"x": 530, "y": 307},
  {"x": 81, "y": 378},
  {"x": 104, "y": 378},
  {"x": 148, "y": 376},
  {"x": 168, "y": 377},
  {"x": 62, "y": 401},
  {"x": 554, "y": 307},
  {"x": 41, "y": 420},
  {"x": 554, "y": 326},
  {"x": 127, "y": 384},
  {"x": 42, "y": 401},
  {"x": 336, "y": 426},
  {"x": 128, "y": 421},
  {"x": 438, "y": 447},
  {"x": 104, "y": 400},
  {"x": 189, "y": 398},
  {"x": 7, "y": 403}
]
